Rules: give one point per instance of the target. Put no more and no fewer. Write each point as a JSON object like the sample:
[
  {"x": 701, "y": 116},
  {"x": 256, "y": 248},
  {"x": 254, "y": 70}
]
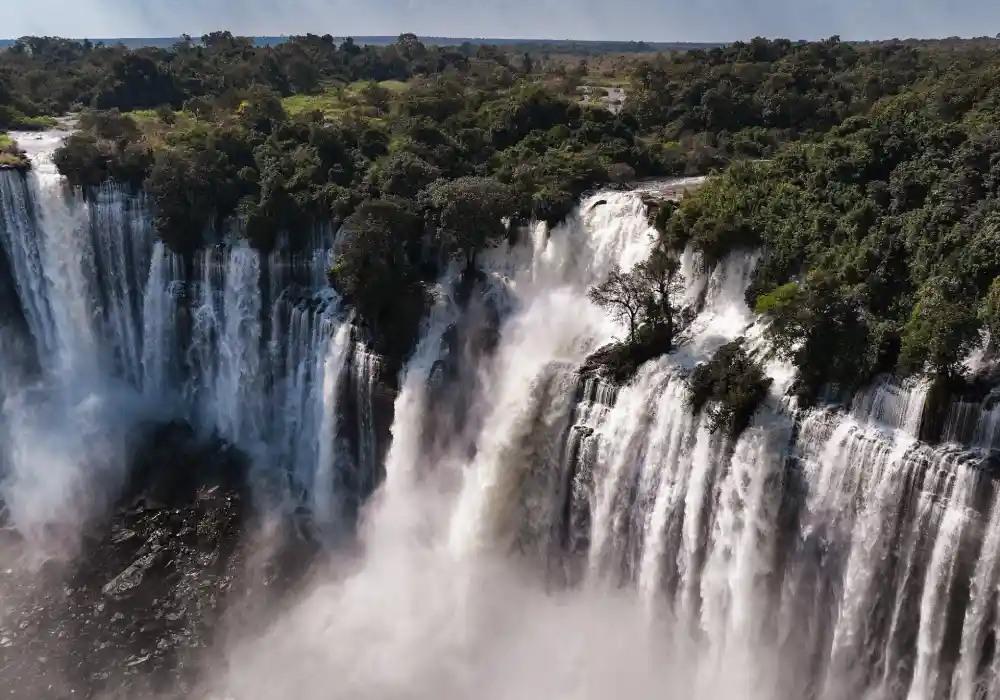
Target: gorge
[{"x": 501, "y": 525}]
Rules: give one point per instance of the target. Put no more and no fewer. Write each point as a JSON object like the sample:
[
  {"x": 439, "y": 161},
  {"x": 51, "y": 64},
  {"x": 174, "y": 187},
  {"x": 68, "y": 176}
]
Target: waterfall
[
  {"x": 366, "y": 367},
  {"x": 531, "y": 529},
  {"x": 162, "y": 302},
  {"x": 21, "y": 247},
  {"x": 245, "y": 347},
  {"x": 824, "y": 554},
  {"x": 323, "y": 479}
]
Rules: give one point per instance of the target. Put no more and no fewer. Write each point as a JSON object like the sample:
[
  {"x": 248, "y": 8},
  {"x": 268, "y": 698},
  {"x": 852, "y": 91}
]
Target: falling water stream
[
  {"x": 534, "y": 532},
  {"x": 126, "y": 331}
]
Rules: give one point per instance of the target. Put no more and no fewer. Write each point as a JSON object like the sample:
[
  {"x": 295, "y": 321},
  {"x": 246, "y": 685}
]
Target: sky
[{"x": 649, "y": 20}]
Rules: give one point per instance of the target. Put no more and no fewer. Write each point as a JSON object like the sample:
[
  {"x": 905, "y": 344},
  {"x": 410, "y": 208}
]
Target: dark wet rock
[
  {"x": 454, "y": 376},
  {"x": 367, "y": 401},
  {"x": 651, "y": 202},
  {"x": 617, "y": 363},
  {"x": 128, "y": 616},
  {"x": 131, "y": 578}
]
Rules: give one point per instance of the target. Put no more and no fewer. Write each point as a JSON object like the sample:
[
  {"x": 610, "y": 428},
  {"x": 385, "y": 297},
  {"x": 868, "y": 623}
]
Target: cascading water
[
  {"x": 575, "y": 539},
  {"x": 127, "y": 331},
  {"x": 536, "y": 531}
]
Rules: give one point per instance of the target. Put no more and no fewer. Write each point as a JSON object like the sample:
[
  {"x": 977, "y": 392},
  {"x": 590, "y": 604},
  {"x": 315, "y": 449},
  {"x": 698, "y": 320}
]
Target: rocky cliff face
[{"x": 126, "y": 616}]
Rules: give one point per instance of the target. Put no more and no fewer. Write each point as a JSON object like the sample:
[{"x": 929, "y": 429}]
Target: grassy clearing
[
  {"x": 14, "y": 120},
  {"x": 143, "y": 114},
  {"x": 9, "y": 160},
  {"x": 10, "y": 155},
  {"x": 331, "y": 102},
  {"x": 37, "y": 123},
  {"x": 334, "y": 102},
  {"x": 394, "y": 85},
  {"x": 157, "y": 132},
  {"x": 337, "y": 100}
]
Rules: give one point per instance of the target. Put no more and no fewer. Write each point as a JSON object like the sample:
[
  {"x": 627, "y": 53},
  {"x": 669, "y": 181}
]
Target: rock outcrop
[{"x": 131, "y": 615}]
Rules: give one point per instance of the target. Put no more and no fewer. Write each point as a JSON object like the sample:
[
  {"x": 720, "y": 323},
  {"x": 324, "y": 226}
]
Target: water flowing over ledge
[
  {"x": 253, "y": 349},
  {"x": 824, "y": 554}
]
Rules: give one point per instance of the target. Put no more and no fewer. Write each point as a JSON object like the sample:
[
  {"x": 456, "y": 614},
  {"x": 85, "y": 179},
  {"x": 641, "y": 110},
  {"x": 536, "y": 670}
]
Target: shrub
[{"x": 729, "y": 387}]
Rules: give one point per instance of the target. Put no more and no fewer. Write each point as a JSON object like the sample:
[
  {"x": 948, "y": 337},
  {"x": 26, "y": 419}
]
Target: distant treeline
[
  {"x": 572, "y": 47},
  {"x": 558, "y": 46},
  {"x": 51, "y": 75}
]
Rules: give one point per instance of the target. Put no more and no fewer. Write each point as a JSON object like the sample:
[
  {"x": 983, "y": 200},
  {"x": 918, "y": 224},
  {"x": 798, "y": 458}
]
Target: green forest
[
  {"x": 881, "y": 239},
  {"x": 866, "y": 174}
]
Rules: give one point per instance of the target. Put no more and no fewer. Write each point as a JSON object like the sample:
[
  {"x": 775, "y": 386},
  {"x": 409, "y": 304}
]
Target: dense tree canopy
[
  {"x": 53, "y": 75},
  {"x": 866, "y": 173},
  {"x": 729, "y": 387},
  {"x": 881, "y": 240},
  {"x": 378, "y": 271},
  {"x": 712, "y": 106},
  {"x": 469, "y": 214},
  {"x": 276, "y": 142}
]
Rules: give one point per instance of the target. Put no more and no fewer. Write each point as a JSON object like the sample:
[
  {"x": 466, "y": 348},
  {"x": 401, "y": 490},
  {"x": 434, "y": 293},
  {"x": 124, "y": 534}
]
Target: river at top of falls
[{"x": 537, "y": 533}]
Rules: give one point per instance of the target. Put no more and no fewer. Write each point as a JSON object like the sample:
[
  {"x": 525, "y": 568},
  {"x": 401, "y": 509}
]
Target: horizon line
[{"x": 512, "y": 39}]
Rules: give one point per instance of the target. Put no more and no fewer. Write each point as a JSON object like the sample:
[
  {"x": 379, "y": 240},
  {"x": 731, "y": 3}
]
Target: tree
[
  {"x": 734, "y": 383},
  {"x": 644, "y": 300},
  {"x": 199, "y": 107},
  {"x": 350, "y": 47},
  {"x": 989, "y": 312},
  {"x": 375, "y": 247},
  {"x": 645, "y": 296},
  {"x": 303, "y": 74},
  {"x": 660, "y": 217},
  {"x": 111, "y": 125},
  {"x": 626, "y": 297},
  {"x": 186, "y": 185},
  {"x": 377, "y": 96},
  {"x": 469, "y": 214},
  {"x": 410, "y": 46},
  {"x": 660, "y": 276},
  {"x": 621, "y": 173},
  {"x": 137, "y": 82},
  {"x": 376, "y": 271},
  {"x": 108, "y": 148},
  {"x": 402, "y": 174},
  {"x": 941, "y": 330},
  {"x": 262, "y": 109}
]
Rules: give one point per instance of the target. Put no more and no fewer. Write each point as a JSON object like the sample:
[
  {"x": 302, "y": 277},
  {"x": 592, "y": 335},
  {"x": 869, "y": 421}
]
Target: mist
[
  {"x": 425, "y": 624},
  {"x": 722, "y": 20},
  {"x": 449, "y": 597}
]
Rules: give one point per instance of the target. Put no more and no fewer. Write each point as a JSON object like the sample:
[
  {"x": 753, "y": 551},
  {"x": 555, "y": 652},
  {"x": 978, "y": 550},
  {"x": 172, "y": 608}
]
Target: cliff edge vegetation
[{"x": 864, "y": 173}]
